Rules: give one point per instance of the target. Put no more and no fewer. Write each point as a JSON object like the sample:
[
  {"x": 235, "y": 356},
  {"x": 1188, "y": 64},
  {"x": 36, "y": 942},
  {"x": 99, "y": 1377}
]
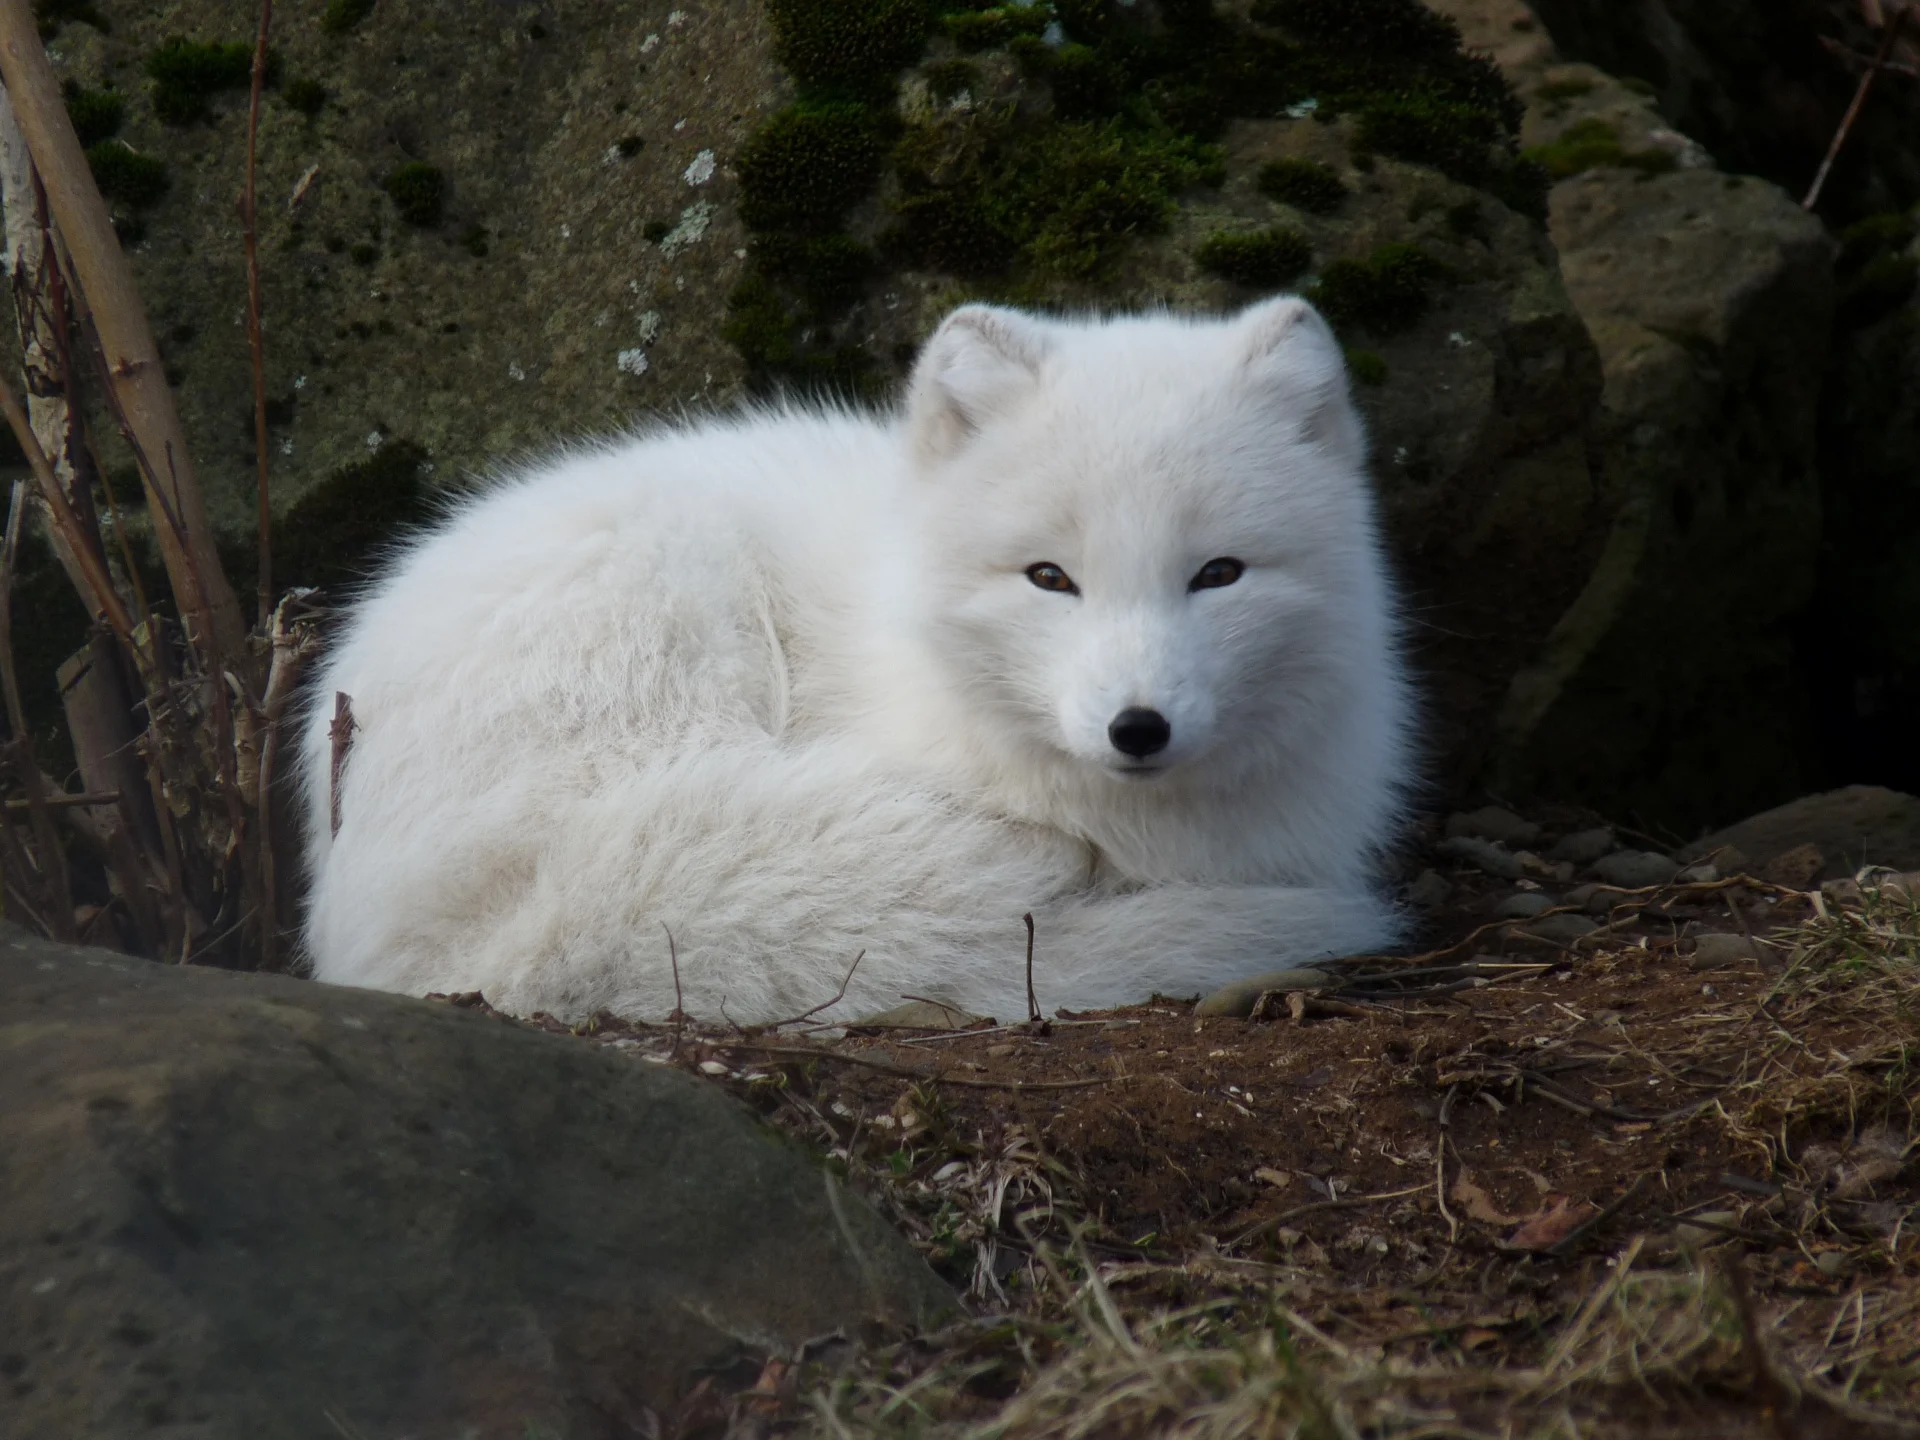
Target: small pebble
[
  {"x": 1710, "y": 952},
  {"x": 1635, "y": 869},
  {"x": 1524, "y": 906},
  {"x": 1583, "y": 847},
  {"x": 1429, "y": 890},
  {"x": 712, "y": 1067},
  {"x": 1482, "y": 855},
  {"x": 1121, "y": 1023},
  {"x": 1702, "y": 874},
  {"x": 1493, "y": 823}
]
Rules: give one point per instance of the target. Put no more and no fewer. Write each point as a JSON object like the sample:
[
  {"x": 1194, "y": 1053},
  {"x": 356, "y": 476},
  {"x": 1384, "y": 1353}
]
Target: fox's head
[{"x": 1152, "y": 537}]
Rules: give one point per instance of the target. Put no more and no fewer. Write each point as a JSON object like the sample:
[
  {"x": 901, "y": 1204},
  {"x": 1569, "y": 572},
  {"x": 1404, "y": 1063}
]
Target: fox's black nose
[{"x": 1139, "y": 733}]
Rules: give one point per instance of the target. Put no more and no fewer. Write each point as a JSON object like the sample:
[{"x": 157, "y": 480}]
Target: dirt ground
[{"x": 1604, "y": 1185}]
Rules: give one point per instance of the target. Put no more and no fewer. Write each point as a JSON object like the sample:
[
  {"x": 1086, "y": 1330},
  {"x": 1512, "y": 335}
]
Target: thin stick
[
  {"x": 1440, "y": 1167},
  {"x": 53, "y": 860},
  {"x": 59, "y": 801},
  {"x": 102, "y": 270},
  {"x": 106, "y": 600},
  {"x": 290, "y": 648},
  {"x": 340, "y": 738},
  {"x": 838, "y": 996},
  {"x": 1864, "y": 89},
  {"x": 679, "y": 1016},
  {"x": 1268, "y": 1226},
  {"x": 254, "y": 343},
  {"x": 1033, "y": 1004}
]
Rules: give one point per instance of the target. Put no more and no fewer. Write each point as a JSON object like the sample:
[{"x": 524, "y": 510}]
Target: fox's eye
[
  {"x": 1049, "y": 576},
  {"x": 1216, "y": 573}
]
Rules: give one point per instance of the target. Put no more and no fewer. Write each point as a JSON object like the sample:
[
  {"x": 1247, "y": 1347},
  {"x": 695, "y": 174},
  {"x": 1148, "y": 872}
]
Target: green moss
[
  {"x": 770, "y": 335},
  {"x": 306, "y": 95},
  {"x": 1366, "y": 367},
  {"x": 364, "y": 252},
  {"x": 96, "y": 114},
  {"x": 332, "y": 534},
  {"x": 126, "y": 176},
  {"x": 186, "y": 73},
  {"x": 629, "y": 146},
  {"x": 990, "y": 28},
  {"x": 848, "y": 47},
  {"x": 1304, "y": 184},
  {"x": 340, "y": 16},
  {"x": 418, "y": 192},
  {"x": 1455, "y": 138},
  {"x": 1388, "y": 291},
  {"x": 827, "y": 271},
  {"x": 983, "y": 196},
  {"x": 1593, "y": 144},
  {"x": 1263, "y": 259},
  {"x": 656, "y": 230},
  {"x": 808, "y": 164},
  {"x": 474, "y": 240}
]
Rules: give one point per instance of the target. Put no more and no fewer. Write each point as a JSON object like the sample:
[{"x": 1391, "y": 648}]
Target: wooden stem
[{"x": 120, "y": 320}]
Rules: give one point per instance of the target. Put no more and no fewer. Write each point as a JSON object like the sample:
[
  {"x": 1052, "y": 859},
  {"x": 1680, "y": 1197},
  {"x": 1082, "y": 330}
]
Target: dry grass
[{"x": 1074, "y": 1342}]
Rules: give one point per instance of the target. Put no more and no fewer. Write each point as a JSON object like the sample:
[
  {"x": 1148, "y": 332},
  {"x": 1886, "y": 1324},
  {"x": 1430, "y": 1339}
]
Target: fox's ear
[
  {"x": 1290, "y": 352},
  {"x": 981, "y": 363}
]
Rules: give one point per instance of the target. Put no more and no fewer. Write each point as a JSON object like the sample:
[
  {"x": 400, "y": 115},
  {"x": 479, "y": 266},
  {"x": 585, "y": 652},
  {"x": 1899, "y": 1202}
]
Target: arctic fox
[{"x": 1097, "y": 627}]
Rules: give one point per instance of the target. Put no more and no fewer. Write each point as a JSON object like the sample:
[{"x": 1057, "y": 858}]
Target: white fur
[{"x": 781, "y": 686}]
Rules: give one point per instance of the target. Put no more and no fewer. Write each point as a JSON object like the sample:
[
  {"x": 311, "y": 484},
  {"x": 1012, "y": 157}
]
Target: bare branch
[{"x": 120, "y": 319}]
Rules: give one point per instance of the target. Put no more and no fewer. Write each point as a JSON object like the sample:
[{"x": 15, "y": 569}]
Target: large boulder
[
  {"x": 255, "y": 1206},
  {"x": 1672, "y": 687},
  {"x": 1764, "y": 84}
]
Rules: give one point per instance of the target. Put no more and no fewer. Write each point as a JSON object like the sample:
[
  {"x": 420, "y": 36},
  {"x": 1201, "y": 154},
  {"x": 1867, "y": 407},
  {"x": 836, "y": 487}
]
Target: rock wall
[
  {"x": 1763, "y": 84},
  {"x": 505, "y": 226}
]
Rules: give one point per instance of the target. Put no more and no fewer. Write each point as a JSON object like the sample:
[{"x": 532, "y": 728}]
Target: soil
[{"x": 1438, "y": 1179}]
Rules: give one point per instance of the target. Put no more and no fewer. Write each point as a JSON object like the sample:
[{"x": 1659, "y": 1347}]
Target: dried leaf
[
  {"x": 1477, "y": 1203},
  {"x": 1559, "y": 1218}
]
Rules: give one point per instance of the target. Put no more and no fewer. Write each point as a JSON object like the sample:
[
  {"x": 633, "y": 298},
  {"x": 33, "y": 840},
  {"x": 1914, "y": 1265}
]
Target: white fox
[{"x": 1097, "y": 628}]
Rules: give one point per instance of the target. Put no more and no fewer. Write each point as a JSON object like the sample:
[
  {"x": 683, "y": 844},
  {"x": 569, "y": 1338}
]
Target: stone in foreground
[{"x": 236, "y": 1205}]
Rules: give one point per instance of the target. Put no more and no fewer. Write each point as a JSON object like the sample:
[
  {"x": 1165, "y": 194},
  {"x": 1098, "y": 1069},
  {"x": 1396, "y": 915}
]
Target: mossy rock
[
  {"x": 1260, "y": 259},
  {"x": 187, "y": 73}
]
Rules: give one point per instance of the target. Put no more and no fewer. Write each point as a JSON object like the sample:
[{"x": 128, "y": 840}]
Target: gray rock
[
  {"x": 1490, "y": 822},
  {"x": 258, "y": 1206},
  {"x": 1634, "y": 869},
  {"x": 1482, "y": 855},
  {"x": 1429, "y": 890},
  {"x": 1711, "y": 952},
  {"x": 1237, "y": 999},
  {"x": 1855, "y": 826},
  {"x": 1523, "y": 906},
  {"x": 1706, "y": 295},
  {"x": 1583, "y": 847}
]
